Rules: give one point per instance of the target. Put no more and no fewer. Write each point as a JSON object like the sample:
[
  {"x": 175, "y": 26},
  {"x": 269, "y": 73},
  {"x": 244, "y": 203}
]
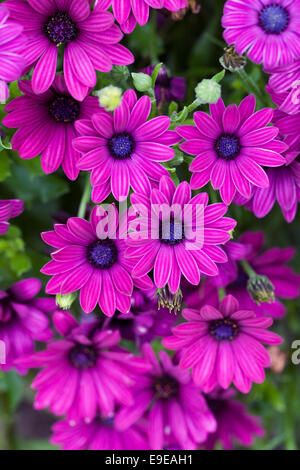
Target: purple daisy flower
[
  {"x": 223, "y": 345},
  {"x": 167, "y": 242},
  {"x": 284, "y": 87},
  {"x": 23, "y": 320},
  {"x": 176, "y": 409},
  {"x": 96, "y": 266},
  {"x": 145, "y": 321},
  {"x": 124, "y": 150},
  {"x": 268, "y": 30},
  {"x": 89, "y": 39},
  {"x": 230, "y": 146},
  {"x": 9, "y": 209},
  {"x": 11, "y": 43},
  {"x": 130, "y": 12},
  {"x": 84, "y": 373},
  {"x": 100, "y": 434},
  {"x": 167, "y": 88},
  {"x": 46, "y": 125},
  {"x": 235, "y": 424}
]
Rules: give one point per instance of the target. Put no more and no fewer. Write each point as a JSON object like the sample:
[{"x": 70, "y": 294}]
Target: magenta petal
[
  {"x": 45, "y": 70},
  {"x": 90, "y": 292},
  {"x": 107, "y": 298},
  {"x": 163, "y": 266}
]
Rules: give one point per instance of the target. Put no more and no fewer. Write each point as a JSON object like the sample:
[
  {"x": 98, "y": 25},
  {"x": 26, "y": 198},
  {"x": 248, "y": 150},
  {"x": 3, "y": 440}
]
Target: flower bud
[
  {"x": 261, "y": 289},
  {"x": 208, "y": 91},
  {"x": 65, "y": 301},
  {"x": 142, "y": 81},
  {"x": 168, "y": 300},
  {"x": 109, "y": 97}
]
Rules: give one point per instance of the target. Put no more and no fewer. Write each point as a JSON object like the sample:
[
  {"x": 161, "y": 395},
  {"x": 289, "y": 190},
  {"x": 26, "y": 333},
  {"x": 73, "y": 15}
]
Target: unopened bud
[
  {"x": 208, "y": 91},
  {"x": 65, "y": 301},
  {"x": 261, "y": 289},
  {"x": 142, "y": 81},
  {"x": 109, "y": 97}
]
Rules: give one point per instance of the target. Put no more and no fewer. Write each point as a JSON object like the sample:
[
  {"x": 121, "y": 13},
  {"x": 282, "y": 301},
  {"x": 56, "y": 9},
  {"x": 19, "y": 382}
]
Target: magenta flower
[
  {"x": 284, "y": 87},
  {"x": 23, "y": 320},
  {"x": 230, "y": 146},
  {"x": 235, "y": 424},
  {"x": 9, "y": 209},
  {"x": 167, "y": 88},
  {"x": 11, "y": 43},
  {"x": 124, "y": 150},
  {"x": 46, "y": 125},
  {"x": 223, "y": 345},
  {"x": 267, "y": 30},
  {"x": 130, "y": 12},
  {"x": 89, "y": 39},
  {"x": 96, "y": 266},
  {"x": 176, "y": 409},
  {"x": 167, "y": 241},
  {"x": 84, "y": 373},
  {"x": 100, "y": 434}
]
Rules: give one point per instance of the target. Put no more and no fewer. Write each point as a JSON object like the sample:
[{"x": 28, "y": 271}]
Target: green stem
[
  {"x": 85, "y": 197},
  {"x": 251, "y": 86},
  {"x": 222, "y": 293},
  {"x": 247, "y": 268}
]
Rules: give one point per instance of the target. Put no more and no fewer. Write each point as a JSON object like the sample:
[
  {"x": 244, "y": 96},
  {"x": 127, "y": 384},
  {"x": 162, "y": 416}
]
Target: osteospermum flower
[
  {"x": 89, "y": 39},
  {"x": 130, "y": 12},
  {"x": 235, "y": 424},
  {"x": 100, "y": 434},
  {"x": 46, "y": 125},
  {"x": 167, "y": 88},
  {"x": 284, "y": 87},
  {"x": 175, "y": 407},
  {"x": 267, "y": 30},
  {"x": 223, "y": 345},
  {"x": 85, "y": 373},
  {"x": 23, "y": 320},
  {"x": 96, "y": 266},
  {"x": 179, "y": 236},
  {"x": 11, "y": 42},
  {"x": 125, "y": 149},
  {"x": 231, "y": 146},
  {"x": 9, "y": 209}
]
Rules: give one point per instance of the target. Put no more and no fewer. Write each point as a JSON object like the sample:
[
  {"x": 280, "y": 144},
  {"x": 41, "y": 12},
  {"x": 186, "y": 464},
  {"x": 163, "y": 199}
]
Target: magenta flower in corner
[
  {"x": 100, "y": 434},
  {"x": 173, "y": 404},
  {"x": 231, "y": 146},
  {"x": 11, "y": 43},
  {"x": 125, "y": 149},
  {"x": 284, "y": 87},
  {"x": 235, "y": 424},
  {"x": 46, "y": 125},
  {"x": 84, "y": 373},
  {"x": 180, "y": 235},
  {"x": 9, "y": 209},
  {"x": 23, "y": 320},
  {"x": 93, "y": 265},
  {"x": 89, "y": 38},
  {"x": 267, "y": 30},
  {"x": 223, "y": 345}
]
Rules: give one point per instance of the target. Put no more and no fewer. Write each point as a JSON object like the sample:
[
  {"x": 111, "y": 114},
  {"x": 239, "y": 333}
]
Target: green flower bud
[
  {"x": 65, "y": 301},
  {"x": 168, "y": 300},
  {"x": 109, "y": 97},
  {"x": 208, "y": 91},
  {"x": 142, "y": 81},
  {"x": 120, "y": 73},
  {"x": 260, "y": 289}
]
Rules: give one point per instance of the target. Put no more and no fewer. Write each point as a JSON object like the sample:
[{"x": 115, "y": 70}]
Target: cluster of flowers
[{"x": 111, "y": 398}]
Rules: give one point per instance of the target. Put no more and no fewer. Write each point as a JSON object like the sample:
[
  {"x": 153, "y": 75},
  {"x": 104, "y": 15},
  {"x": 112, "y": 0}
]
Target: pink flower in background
[
  {"x": 235, "y": 424},
  {"x": 84, "y": 373},
  {"x": 9, "y": 209},
  {"x": 268, "y": 31},
  {"x": 176, "y": 245},
  {"x": 46, "y": 125},
  {"x": 95, "y": 266},
  {"x": 125, "y": 149},
  {"x": 100, "y": 434},
  {"x": 284, "y": 87},
  {"x": 175, "y": 407},
  {"x": 130, "y": 12},
  {"x": 231, "y": 146},
  {"x": 223, "y": 345},
  {"x": 167, "y": 88},
  {"x": 23, "y": 320},
  {"x": 89, "y": 37},
  {"x": 11, "y": 43}
]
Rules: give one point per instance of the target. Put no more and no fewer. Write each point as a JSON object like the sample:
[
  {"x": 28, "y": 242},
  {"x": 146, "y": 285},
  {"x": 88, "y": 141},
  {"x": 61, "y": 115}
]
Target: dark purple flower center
[
  {"x": 171, "y": 232},
  {"x": 228, "y": 146},
  {"x": 60, "y": 29},
  {"x": 102, "y": 254},
  {"x": 241, "y": 280},
  {"x": 64, "y": 109},
  {"x": 224, "y": 329},
  {"x": 274, "y": 19},
  {"x": 165, "y": 386},
  {"x": 215, "y": 405},
  {"x": 121, "y": 146},
  {"x": 83, "y": 356}
]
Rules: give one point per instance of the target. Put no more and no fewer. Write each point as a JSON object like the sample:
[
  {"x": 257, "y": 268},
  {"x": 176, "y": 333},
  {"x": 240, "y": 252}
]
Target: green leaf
[
  {"x": 219, "y": 76},
  {"x": 14, "y": 389},
  {"x": 4, "y": 165},
  {"x": 155, "y": 73},
  {"x": 20, "y": 263}
]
